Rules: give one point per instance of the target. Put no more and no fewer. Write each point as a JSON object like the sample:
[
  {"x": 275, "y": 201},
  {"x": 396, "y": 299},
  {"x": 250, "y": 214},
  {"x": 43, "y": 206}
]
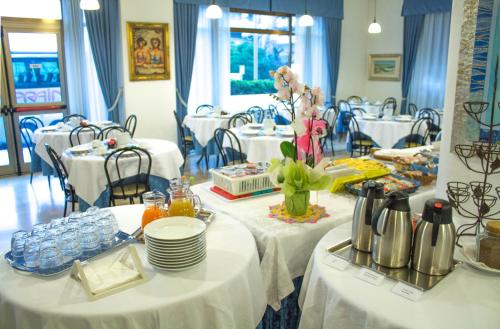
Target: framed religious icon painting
[
  {"x": 148, "y": 51},
  {"x": 384, "y": 67}
]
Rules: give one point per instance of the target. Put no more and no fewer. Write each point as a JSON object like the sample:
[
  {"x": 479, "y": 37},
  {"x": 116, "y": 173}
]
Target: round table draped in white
[
  {"x": 331, "y": 298},
  {"x": 203, "y": 127},
  {"x": 386, "y": 133},
  {"x": 224, "y": 291},
  {"x": 259, "y": 147},
  {"x": 86, "y": 172}
]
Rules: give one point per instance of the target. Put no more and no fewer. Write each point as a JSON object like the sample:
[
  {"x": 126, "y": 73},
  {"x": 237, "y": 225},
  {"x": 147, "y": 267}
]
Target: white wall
[
  {"x": 357, "y": 44},
  {"x": 152, "y": 101}
]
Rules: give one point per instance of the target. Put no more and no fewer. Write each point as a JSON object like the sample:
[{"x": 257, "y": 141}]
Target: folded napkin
[{"x": 105, "y": 277}]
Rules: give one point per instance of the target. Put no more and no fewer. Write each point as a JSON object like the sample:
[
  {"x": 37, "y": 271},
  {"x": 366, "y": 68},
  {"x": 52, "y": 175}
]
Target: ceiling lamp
[
  {"x": 306, "y": 19},
  {"x": 89, "y": 4},
  {"x": 374, "y": 26},
  {"x": 214, "y": 11}
]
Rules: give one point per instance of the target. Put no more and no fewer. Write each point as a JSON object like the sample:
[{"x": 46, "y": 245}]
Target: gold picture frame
[
  {"x": 148, "y": 51},
  {"x": 384, "y": 67}
]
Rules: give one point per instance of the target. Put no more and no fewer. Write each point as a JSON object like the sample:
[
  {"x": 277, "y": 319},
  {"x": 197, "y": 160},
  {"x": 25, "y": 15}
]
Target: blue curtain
[
  {"x": 185, "y": 28},
  {"x": 411, "y": 37},
  {"x": 422, "y": 7},
  {"x": 333, "y": 32},
  {"x": 74, "y": 57},
  {"x": 103, "y": 26}
]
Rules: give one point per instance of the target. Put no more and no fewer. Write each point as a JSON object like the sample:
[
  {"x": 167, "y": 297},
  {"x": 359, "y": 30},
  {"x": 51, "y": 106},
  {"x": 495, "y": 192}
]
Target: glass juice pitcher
[
  {"x": 154, "y": 207},
  {"x": 182, "y": 201}
]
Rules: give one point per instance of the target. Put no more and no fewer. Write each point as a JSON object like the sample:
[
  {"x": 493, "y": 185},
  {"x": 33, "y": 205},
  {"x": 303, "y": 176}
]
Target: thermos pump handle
[
  {"x": 436, "y": 221},
  {"x": 369, "y": 206}
]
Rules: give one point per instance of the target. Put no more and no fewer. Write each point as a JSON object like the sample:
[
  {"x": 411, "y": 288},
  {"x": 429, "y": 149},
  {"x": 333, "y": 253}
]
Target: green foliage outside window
[{"x": 247, "y": 87}]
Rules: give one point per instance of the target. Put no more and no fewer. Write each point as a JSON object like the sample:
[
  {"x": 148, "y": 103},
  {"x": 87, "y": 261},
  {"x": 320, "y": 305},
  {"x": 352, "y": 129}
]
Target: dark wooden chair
[
  {"x": 230, "y": 151},
  {"x": 354, "y": 99},
  {"x": 76, "y": 133},
  {"x": 257, "y": 114},
  {"x": 387, "y": 105},
  {"x": 412, "y": 109},
  {"x": 62, "y": 175},
  {"x": 419, "y": 134},
  {"x": 66, "y": 118},
  {"x": 132, "y": 159},
  {"x": 359, "y": 141},
  {"x": 358, "y": 111},
  {"x": 109, "y": 132},
  {"x": 130, "y": 124},
  {"x": 239, "y": 119},
  {"x": 435, "y": 127},
  {"x": 27, "y": 127},
  {"x": 344, "y": 106},
  {"x": 186, "y": 139},
  {"x": 330, "y": 115},
  {"x": 205, "y": 108}
]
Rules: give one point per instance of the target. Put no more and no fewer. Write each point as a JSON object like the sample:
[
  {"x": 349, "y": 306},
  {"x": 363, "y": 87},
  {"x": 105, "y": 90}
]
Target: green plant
[{"x": 250, "y": 87}]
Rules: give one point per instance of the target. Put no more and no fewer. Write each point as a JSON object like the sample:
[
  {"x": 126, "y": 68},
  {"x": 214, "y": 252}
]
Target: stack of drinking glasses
[{"x": 50, "y": 248}]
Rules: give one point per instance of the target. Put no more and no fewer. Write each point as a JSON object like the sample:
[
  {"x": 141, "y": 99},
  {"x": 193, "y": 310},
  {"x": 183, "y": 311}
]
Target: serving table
[
  {"x": 284, "y": 248},
  {"x": 224, "y": 291},
  {"x": 87, "y": 175},
  {"x": 332, "y": 298}
]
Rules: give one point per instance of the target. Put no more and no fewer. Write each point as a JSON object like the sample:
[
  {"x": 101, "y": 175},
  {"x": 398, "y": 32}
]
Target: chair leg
[
  {"x": 31, "y": 178},
  {"x": 48, "y": 180},
  {"x": 65, "y": 207},
  {"x": 206, "y": 159},
  {"x": 73, "y": 201}
]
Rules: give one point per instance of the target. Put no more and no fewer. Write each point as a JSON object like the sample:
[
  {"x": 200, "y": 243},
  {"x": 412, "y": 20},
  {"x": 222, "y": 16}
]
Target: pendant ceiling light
[
  {"x": 374, "y": 26},
  {"x": 89, "y": 5},
  {"x": 214, "y": 11},
  {"x": 306, "y": 19}
]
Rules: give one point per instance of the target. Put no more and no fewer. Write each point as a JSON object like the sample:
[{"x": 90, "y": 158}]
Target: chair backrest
[
  {"x": 205, "y": 108},
  {"x": 412, "y": 109},
  {"x": 180, "y": 128},
  {"x": 27, "y": 127},
  {"x": 330, "y": 115},
  {"x": 239, "y": 119},
  {"x": 358, "y": 111},
  {"x": 272, "y": 111},
  {"x": 354, "y": 99},
  {"x": 230, "y": 151},
  {"x": 257, "y": 113},
  {"x": 134, "y": 161},
  {"x": 353, "y": 127},
  {"x": 427, "y": 112},
  {"x": 390, "y": 100},
  {"x": 387, "y": 106},
  {"x": 74, "y": 135},
  {"x": 111, "y": 132},
  {"x": 66, "y": 118},
  {"x": 130, "y": 124},
  {"x": 344, "y": 106},
  {"x": 420, "y": 132},
  {"x": 58, "y": 165}
]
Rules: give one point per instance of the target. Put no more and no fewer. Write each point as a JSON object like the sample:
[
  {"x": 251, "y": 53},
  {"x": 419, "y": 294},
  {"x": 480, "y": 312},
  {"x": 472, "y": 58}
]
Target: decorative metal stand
[{"x": 481, "y": 157}]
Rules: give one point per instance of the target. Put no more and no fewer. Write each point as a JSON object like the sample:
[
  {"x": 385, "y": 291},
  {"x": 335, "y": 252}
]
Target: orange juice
[
  {"x": 152, "y": 213},
  {"x": 181, "y": 207}
]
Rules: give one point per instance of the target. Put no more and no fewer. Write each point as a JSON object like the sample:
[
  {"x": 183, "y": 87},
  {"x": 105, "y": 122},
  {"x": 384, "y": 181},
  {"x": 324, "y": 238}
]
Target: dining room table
[
  {"x": 259, "y": 145},
  {"x": 333, "y": 296},
  {"x": 224, "y": 291},
  {"x": 203, "y": 126},
  {"x": 87, "y": 175}
]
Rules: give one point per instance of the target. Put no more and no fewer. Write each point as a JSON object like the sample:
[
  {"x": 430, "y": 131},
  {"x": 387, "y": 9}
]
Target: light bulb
[
  {"x": 214, "y": 12},
  {"x": 306, "y": 20},
  {"x": 374, "y": 27},
  {"x": 89, "y": 5}
]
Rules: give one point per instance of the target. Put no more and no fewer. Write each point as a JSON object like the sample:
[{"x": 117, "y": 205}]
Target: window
[{"x": 260, "y": 42}]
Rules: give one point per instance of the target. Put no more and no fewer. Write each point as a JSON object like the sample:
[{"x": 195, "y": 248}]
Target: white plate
[
  {"x": 199, "y": 115},
  {"x": 48, "y": 129},
  {"x": 177, "y": 269},
  {"x": 174, "y": 249},
  {"x": 163, "y": 254},
  {"x": 285, "y": 133},
  {"x": 250, "y": 132},
  {"x": 468, "y": 251},
  {"x": 176, "y": 243},
  {"x": 254, "y": 125},
  {"x": 81, "y": 149},
  {"x": 187, "y": 262},
  {"x": 177, "y": 259},
  {"x": 175, "y": 228},
  {"x": 369, "y": 118}
]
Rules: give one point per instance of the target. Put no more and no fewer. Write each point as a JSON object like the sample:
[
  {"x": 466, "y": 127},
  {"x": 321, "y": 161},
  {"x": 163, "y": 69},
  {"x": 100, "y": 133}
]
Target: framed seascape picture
[
  {"x": 148, "y": 51},
  {"x": 384, "y": 67}
]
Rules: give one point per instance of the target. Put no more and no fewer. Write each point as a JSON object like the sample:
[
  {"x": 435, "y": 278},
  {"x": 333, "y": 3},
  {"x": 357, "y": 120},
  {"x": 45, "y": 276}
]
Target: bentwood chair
[
  {"x": 359, "y": 141},
  {"x": 62, "y": 174},
  {"x": 358, "y": 111},
  {"x": 109, "y": 132},
  {"x": 66, "y": 118},
  {"x": 330, "y": 115},
  {"x": 76, "y": 133},
  {"x": 344, "y": 106},
  {"x": 393, "y": 101},
  {"x": 239, "y": 119},
  {"x": 257, "y": 114},
  {"x": 412, "y": 109},
  {"x": 131, "y": 159},
  {"x": 229, "y": 147},
  {"x": 204, "y": 109},
  {"x": 27, "y": 126},
  {"x": 130, "y": 124},
  {"x": 186, "y": 138},
  {"x": 387, "y": 105},
  {"x": 419, "y": 134},
  {"x": 435, "y": 128},
  {"x": 354, "y": 100}
]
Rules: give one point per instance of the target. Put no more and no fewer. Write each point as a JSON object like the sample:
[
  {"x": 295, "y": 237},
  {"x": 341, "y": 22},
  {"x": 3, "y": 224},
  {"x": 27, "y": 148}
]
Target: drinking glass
[
  {"x": 106, "y": 232},
  {"x": 70, "y": 245},
  {"x": 17, "y": 245},
  {"x": 39, "y": 229},
  {"x": 58, "y": 222},
  {"x": 72, "y": 226},
  {"x": 53, "y": 233},
  {"x": 92, "y": 211},
  {"x": 50, "y": 257},
  {"x": 89, "y": 240},
  {"x": 32, "y": 251},
  {"x": 17, "y": 235}
]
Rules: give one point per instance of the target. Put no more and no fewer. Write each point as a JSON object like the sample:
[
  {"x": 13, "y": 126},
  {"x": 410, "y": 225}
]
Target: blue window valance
[
  {"x": 323, "y": 8},
  {"x": 422, "y": 7}
]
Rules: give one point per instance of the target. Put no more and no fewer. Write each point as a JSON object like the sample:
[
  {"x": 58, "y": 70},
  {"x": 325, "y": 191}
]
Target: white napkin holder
[{"x": 103, "y": 277}]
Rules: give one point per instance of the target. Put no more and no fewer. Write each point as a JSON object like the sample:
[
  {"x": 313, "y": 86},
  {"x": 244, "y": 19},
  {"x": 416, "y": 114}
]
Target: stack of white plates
[{"x": 175, "y": 243}]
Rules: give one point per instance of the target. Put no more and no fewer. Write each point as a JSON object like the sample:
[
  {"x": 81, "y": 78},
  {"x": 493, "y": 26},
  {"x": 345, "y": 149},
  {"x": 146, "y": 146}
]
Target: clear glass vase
[{"x": 297, "y": 203}]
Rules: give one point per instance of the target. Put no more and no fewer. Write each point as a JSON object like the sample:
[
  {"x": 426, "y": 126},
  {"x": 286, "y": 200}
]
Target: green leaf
[{"x": 287, "y": 149}]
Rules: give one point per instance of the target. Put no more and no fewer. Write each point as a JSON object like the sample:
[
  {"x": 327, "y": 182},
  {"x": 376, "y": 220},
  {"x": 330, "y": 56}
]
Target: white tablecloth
[
  {"x": 203, "y": 127},
  {"x": 386, "y": 133},
  {"x": 285, "y": 249},
  {"x": 261, "y": 147},
  {"x": 330, "y": 298},
  {"x": 87, "y": 175},
  {"x": 224, "y": 291},
  {"x": 58, "y": 140}
]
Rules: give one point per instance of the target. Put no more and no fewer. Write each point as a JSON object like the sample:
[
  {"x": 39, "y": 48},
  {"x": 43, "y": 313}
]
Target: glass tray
[
  {"x": 407, "y": 275},
  {"x": 121, "y": 238}
]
